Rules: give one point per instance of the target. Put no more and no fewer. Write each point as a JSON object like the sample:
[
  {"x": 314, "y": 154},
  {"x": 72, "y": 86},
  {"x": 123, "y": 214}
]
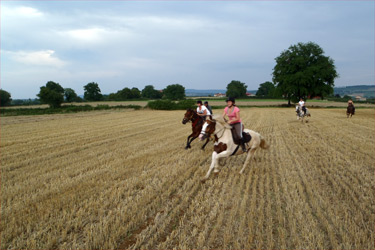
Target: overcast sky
[{"x": 198, "y": 44}]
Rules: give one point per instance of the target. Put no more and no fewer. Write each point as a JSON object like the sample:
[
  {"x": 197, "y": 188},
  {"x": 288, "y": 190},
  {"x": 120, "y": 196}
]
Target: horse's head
[
  {"x": 208, "y": 128},
  {"x": 188, "y": 116}
]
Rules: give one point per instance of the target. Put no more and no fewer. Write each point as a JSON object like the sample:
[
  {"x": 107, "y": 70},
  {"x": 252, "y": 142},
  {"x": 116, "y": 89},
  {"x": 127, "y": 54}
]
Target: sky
[{"x": 198, "y": 44}]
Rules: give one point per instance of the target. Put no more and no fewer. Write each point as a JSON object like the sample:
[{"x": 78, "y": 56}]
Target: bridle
[{"x": 195, "y": 121}]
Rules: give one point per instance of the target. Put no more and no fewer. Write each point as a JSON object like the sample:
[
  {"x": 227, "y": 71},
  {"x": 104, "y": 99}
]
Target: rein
[
  {"x": 196, "y": 119},
  {"x": 223, "y": 129},
  {"x": 195, "y": 122}
]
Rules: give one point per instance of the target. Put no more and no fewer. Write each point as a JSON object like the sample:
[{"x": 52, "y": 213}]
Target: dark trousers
[{"x": 238, "y": 129}]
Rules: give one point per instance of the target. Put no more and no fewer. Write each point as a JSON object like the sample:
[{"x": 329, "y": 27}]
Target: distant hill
[
  {"x": 367, "y": 91},
  {"x": 208, "y": 92}
]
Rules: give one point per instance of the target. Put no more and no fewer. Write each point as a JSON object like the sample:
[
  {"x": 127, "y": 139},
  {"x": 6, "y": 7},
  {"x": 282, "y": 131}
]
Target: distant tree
[
  {"x": 151, "y": 93},
  {"x": 304, "y": 71},
  {"x": 52, "y": 94},
  {"x": 236, "y": 89},
  {"x": 92, "y": 92},
  {"x": 266, "y": 89},
  {"x": 112, "y": 97},
  {"x": 125, "y": 94},
  {"x": 5, "y": 98},
  {"x": 70, "y": 95},
  {"x": 337, "y": 96},
  {"x": 136, "y": 93},
  {"x": 174, "y": 92},
  {"x": 347, "y": 97}
]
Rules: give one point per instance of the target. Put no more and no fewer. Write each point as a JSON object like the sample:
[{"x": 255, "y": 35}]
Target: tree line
[{"x": 301, "y": 71}]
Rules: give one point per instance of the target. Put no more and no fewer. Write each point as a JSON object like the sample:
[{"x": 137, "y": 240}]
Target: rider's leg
[{"x": 238, "y": 127}]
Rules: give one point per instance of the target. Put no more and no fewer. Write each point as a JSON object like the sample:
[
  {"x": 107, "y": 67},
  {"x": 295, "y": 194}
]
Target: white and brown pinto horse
[
  {"x": 225, "y": 146},
  {"x": 301, "y": 115}
]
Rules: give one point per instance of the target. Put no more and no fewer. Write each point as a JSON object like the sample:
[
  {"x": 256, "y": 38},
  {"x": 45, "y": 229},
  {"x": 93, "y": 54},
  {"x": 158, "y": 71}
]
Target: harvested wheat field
[{"x": 123, "y": 180}]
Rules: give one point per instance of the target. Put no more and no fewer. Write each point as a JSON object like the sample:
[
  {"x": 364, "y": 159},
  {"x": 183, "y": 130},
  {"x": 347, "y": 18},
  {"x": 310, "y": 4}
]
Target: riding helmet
[{"x": 230, "y": 99}]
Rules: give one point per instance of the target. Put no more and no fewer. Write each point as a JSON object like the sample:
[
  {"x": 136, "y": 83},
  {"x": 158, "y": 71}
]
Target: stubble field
[{"x": 122, "y": 180}]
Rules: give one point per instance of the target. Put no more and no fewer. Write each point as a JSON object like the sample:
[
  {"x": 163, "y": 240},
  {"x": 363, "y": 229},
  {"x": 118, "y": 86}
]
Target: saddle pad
[
  {"x": 246, "y": 136},
  {"x": 236, "y": 140}
]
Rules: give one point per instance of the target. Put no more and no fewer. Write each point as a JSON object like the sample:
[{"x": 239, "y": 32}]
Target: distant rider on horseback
[
  {"x": 301, "y": 104},
  {"x": 202, "y": 110},
  {"x": 350, "y": 103},
  {"x": 233, "y": 113}
]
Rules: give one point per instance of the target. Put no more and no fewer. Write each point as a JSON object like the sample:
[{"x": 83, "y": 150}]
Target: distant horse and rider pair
[{"x": 350, "y": 110}]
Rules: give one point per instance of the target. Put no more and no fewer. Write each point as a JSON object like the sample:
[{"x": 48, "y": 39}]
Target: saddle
[{"x": 245, "y": 136}]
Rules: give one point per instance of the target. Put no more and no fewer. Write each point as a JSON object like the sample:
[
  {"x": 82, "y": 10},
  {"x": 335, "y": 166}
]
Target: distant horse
[
  {"x": 350, "y": 110},
  {"x": 301, "y": 115},
  {"x": 196, "y": 126},
  {"x": 224, "y": 144}
]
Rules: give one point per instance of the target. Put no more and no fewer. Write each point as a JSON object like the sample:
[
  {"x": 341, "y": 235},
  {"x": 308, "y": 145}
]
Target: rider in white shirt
[
  {"x": 302, "y": 105},
  {"x": 202, "y": 110}
]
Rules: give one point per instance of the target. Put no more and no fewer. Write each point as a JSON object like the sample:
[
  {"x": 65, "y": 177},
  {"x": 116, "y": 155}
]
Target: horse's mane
[{"x": 220, "y": 119}]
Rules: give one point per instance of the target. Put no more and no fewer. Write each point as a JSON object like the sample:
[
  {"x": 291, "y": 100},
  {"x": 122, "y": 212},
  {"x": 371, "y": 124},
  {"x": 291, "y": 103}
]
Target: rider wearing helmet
[
  {"x": 202, "y": 110},
  {"x": 233, "y": 113},
  {"x": 208, "y": 107},
  {"x": 350, "y": 103}
]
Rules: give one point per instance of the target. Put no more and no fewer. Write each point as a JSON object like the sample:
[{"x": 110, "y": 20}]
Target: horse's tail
[{"x": 263, "y": 143}]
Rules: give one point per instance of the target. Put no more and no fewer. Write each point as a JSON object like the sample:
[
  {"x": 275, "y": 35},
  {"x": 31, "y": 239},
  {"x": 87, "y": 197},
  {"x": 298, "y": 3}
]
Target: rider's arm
[
  {"x": 204, "y": 111},
  {"x": 224, "y": 114}
]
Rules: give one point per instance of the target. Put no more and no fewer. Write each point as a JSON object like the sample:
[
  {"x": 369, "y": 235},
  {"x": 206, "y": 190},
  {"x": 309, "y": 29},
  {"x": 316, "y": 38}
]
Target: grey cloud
[{"x": 202, "y": 44}]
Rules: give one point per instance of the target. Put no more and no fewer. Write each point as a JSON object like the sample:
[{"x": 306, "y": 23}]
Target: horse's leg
[
  {"x": 204, "y": 145},
  {"x": 249, "y": 156},
  {"x": 213, "y": 162},
  {"x": 192, "y": 139},
  {"x": 222, "y": 155},
  {"x": 187, "y": 142}
]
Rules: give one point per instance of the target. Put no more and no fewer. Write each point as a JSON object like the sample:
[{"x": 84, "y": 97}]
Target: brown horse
[
  {"x": 196, "y": 126},
  {"x": 350, "y": 110}
]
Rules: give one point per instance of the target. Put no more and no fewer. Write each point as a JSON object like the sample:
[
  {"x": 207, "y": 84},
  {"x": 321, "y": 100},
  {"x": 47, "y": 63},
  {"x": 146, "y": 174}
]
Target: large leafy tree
[
  {"x": 51, "y": 94},
  {"x": 5, "y": 98},
  {"x": 92, "y": 92},
  {"x": 304, "y": 71},
  {"x": 236, "y": 89},
  {"x": 150, "y": 92},
  {"x": 174, "y": 92},
  {"x": 70, "y": 95},
  {"x": 266, "y": 89}
]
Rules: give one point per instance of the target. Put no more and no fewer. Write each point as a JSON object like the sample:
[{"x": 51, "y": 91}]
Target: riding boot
[{"x": 242, "y": 142}]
